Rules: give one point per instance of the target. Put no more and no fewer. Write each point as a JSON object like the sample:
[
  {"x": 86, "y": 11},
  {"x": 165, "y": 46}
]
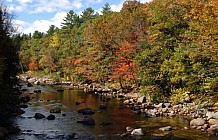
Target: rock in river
[
  {"x": 39, "y": 116},
  {"x": 87, "y": 121},
  {"x": 137, "y": 132},
  {"x": 51, "y": 117},
  {"x": 167, "y": 128},
  {"x": 86, "y": 111}
]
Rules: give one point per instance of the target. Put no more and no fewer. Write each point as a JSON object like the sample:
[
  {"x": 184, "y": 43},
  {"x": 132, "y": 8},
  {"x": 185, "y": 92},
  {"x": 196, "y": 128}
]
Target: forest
[{"x": 164, "y": 48}]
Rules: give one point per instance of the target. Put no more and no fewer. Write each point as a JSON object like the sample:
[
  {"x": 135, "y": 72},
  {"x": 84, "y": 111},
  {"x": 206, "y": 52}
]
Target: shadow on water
[{"x": 109, "y": 122}]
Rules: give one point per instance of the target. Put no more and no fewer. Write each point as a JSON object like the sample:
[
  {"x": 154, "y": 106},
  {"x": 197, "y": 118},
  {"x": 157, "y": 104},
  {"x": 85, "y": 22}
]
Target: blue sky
[{"x": 31, "y": 15}]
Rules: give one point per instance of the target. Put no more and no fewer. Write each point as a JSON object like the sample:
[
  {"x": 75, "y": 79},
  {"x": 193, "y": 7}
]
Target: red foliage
[
  {"x": 33, "y": 65},
  {"x": 124, "y": 65}
]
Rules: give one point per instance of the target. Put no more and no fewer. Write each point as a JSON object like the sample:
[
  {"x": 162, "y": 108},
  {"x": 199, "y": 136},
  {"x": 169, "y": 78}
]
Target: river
[{"x": 110, "y": 123}]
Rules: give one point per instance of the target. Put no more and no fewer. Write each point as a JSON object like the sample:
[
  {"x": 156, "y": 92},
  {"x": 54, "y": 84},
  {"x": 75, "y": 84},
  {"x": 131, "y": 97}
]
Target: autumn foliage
[{"x": 165, "y": 45}]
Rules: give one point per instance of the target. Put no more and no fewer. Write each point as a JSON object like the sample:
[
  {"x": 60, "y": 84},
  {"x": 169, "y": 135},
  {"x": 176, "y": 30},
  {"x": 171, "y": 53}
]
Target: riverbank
[
  {"x": 9, "y": 108},
  {"x": 203, "y": 116}
]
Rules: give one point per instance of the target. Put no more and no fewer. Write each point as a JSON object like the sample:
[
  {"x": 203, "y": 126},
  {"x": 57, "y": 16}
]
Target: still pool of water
[{"x": 117, "y": 116}]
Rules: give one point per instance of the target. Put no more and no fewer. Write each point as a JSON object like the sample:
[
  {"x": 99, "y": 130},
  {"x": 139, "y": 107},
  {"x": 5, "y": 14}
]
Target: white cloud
[
  {"x": 40, "y": 25},
  {"x": 9, "y": 0},
  {"x": 24, "y": 1},
  {"x": 77, "y": 4},
  {"x": 117, "y": 7},
  {"x": 88, "y": 2}
]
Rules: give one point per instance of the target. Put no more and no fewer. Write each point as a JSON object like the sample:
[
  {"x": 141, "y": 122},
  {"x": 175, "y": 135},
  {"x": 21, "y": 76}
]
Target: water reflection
[{"x": 117, "y": 116}]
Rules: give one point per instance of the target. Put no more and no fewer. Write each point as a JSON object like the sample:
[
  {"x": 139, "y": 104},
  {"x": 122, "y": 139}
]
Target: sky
[{"x": 32, "y": 15}]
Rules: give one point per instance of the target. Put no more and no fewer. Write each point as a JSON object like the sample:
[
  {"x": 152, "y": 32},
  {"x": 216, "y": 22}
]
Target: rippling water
[{"x": 65, "y": 125}]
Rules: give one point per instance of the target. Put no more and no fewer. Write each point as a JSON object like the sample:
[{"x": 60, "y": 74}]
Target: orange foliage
[{"x": 33, "y": 66}]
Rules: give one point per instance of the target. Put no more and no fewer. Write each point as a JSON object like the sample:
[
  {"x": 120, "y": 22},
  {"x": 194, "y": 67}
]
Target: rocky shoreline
[{"x": 202, "y": 116}]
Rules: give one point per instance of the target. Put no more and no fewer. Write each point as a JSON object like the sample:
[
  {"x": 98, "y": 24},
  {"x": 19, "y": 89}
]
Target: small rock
[
  {"x": 167, "y": 105},
  {"x": 137, "y": 132},
  {"x": 29, "y": 85},
  {"x": 126, "y": 102},
  {"x": 55, "y": 111},
  {"x": 141, "y": 99},
  {"x": 37, "y": 91},
  {"x": 167, "y": 128},
  {"x": 129, "y": 129},
  {"x": 51, "y": 117},
  {"x": 86, "y": 111},
  {"x": 39, "y": 116}
]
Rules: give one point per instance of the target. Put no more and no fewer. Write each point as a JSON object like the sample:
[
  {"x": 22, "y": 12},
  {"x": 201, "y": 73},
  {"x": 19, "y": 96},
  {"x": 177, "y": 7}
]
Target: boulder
[
  {"x": 211, "y": 114},
  {"x": 166, "y": 128},
  {"x": 141, "y": 99},
  {"x": 197, "y": 122},
  {"x": 39, "y": 116},
  {"x": 213, "y": 130},
  {"x": 213, "y": 121},
  {"x": 51, "y": 117},
  {"x": 86, "y": 111},
  {"x": 87, "y": 121},
  {"x": 137, "y": 132}
]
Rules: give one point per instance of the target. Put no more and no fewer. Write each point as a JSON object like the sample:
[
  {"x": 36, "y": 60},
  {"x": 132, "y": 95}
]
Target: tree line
[{"x": 162, "y": 48}]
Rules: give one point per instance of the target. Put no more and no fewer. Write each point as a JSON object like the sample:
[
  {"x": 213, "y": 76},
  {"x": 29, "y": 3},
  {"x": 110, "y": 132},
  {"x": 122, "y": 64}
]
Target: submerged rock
[
  {"x": 86, "y": 111},
  {"x": 87, "y": 121}
]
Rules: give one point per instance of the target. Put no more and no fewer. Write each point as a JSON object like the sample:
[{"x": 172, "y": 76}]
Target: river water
[{"x": 110, "y": 123}]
